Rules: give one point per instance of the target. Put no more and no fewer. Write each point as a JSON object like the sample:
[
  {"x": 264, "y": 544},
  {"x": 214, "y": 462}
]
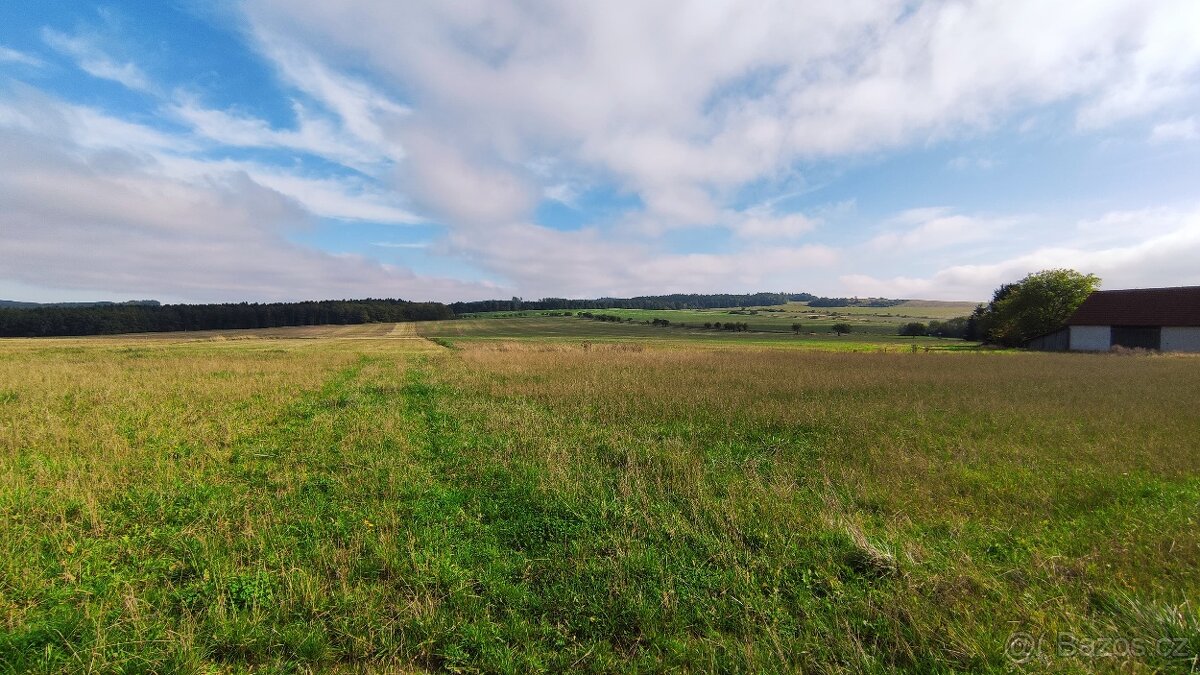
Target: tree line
[
  {"x": 854, "y": 302},
  {"x": 958, "y": 327},
  {"x": 672, "y": 301},
  {"x": 141, "y": 318}
]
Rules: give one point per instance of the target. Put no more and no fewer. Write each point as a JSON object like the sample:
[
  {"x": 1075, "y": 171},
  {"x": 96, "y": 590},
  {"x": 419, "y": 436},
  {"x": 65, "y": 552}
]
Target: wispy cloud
[
  {"x": 397, "y": 244},
  {"x": 934, "y": 228},
  {"x": 8, "y": 55},
  {"x": 1165, "y": 257},
  {"x": 136, "y": 228},
  {"x": 1186, "y": 129},
  {"x": 313, "y": 134},
  {"x": 94, "y": 61}
]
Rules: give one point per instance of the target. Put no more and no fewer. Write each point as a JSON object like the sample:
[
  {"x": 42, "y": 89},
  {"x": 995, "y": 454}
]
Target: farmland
[
  {"x": 568, "y": 329},
  {"x": 546, "y": 494},
  {"x": 780, "y": 318}
]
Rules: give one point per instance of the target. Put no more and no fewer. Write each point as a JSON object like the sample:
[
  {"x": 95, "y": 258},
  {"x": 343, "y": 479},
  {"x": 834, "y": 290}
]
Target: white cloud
[
  {"x": 683, "y": 103},
  {"x": 399, "y": 244},
  {"x": 1164, "y": 258},
  {"x": 1177, "y": 130},
  {"x": 563, "y": 193},
  {"x": 546, "y": 262},
  {"x": 141, "y": 221},
  {"x": 763, "y": 223},
  {"x": 470, "y": 194},
  {"x": 86, "y": 127},
  {"x": 93, "y": 61},
  {"x": 933, "y": 228},
  {"x": 312, "y": 134},
  {"x": 93, "y": 131},
  {"x": 344, "y": 198},
  {"x": 366, "y": 113},
  {"x": 967, "y": 163},
  {"x": 9, "y": 55}
]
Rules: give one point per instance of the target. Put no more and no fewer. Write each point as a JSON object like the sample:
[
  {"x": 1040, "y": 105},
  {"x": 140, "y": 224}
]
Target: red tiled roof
[{"x": 1179, "y": 306}]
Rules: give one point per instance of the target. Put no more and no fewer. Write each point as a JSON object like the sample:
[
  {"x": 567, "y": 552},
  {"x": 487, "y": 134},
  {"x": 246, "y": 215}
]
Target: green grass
[
  {"x": 629, "y": 502},
  {"x": 779, "y": 319},
  {"x": 574, "y": 329}
]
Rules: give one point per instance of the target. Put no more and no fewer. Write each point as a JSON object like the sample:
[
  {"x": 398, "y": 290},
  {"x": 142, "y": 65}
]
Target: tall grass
[{"x": 381, "y": 504}]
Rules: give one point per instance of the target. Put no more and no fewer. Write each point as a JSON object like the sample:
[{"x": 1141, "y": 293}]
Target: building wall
[
  {"x": 1091, "y": 338},
  {"x": 1058, "y": 341},
  {"x": 1181, "y": 339}
]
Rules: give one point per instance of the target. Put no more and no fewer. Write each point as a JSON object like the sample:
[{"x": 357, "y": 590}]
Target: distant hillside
[
  {"x": 672, "y": 301},
  {"x": 683, "y": 301}
]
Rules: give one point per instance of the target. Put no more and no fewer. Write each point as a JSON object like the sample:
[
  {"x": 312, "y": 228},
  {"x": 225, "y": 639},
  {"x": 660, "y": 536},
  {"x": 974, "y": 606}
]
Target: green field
[
  {"x": 559, "y": 329},
  {"x": 779, "y": 319},
  {"x": 555, "y": 494}
]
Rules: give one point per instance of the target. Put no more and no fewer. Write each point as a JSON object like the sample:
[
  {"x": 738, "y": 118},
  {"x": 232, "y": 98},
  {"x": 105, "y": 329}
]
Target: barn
[{"x": 1164, "y": 319}]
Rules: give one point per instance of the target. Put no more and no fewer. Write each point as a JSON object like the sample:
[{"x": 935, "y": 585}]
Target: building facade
[{"x": 1161, "y": 319}]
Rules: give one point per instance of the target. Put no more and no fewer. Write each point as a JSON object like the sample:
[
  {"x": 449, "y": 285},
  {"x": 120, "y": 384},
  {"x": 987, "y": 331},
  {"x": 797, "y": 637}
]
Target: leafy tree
[
  {"x": 1038, "y": 304},
  {"x": 914, "y": 329},
  {"x": 841, "y": 328},
  {"x": 797, "y": 327}
]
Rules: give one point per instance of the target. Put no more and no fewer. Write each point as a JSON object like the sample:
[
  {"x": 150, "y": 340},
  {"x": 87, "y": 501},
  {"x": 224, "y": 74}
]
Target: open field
[
  {"x": 569, "y": 328},
  {"x": 779, "y": 319},
  {"x": 557, "y": 494}
]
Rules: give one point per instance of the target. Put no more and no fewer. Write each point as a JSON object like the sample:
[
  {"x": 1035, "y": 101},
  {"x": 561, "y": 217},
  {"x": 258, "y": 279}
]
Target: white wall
[
  {"x": 1090, "y": 338},
  {"x": 1181, "y": 339}
]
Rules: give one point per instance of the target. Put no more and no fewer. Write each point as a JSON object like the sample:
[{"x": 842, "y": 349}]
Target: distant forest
[
  {"x": 108, "y": 319},
  {"x": 674, "y": 301},
  {"x": 147, "y": 316},
  {"x": 854, "y": 302},
  {"x": 14, "y": 304}
]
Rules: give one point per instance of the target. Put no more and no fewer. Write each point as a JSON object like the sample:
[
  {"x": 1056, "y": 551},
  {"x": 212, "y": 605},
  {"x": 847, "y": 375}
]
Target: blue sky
[{"x": 262, "y": 150}]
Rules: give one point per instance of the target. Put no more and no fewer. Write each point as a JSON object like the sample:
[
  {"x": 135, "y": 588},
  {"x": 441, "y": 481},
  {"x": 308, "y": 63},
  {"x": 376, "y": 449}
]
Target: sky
[{"x": 260, "y": 150}]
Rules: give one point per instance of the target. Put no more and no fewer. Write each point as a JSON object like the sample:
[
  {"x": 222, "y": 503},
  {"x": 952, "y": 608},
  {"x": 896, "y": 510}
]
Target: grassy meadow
[
  {"x": 553, "y": 494},
  {"x": 864, "y": 321}
]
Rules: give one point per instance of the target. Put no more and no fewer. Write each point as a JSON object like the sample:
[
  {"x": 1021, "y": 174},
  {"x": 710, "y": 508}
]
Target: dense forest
[
  {"x": 143, "y": 318},
  {"x": 673, "y": 301}
]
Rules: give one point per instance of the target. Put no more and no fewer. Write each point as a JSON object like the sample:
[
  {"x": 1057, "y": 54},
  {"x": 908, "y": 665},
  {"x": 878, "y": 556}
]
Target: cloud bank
[{"x": 673, "y": 134}]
